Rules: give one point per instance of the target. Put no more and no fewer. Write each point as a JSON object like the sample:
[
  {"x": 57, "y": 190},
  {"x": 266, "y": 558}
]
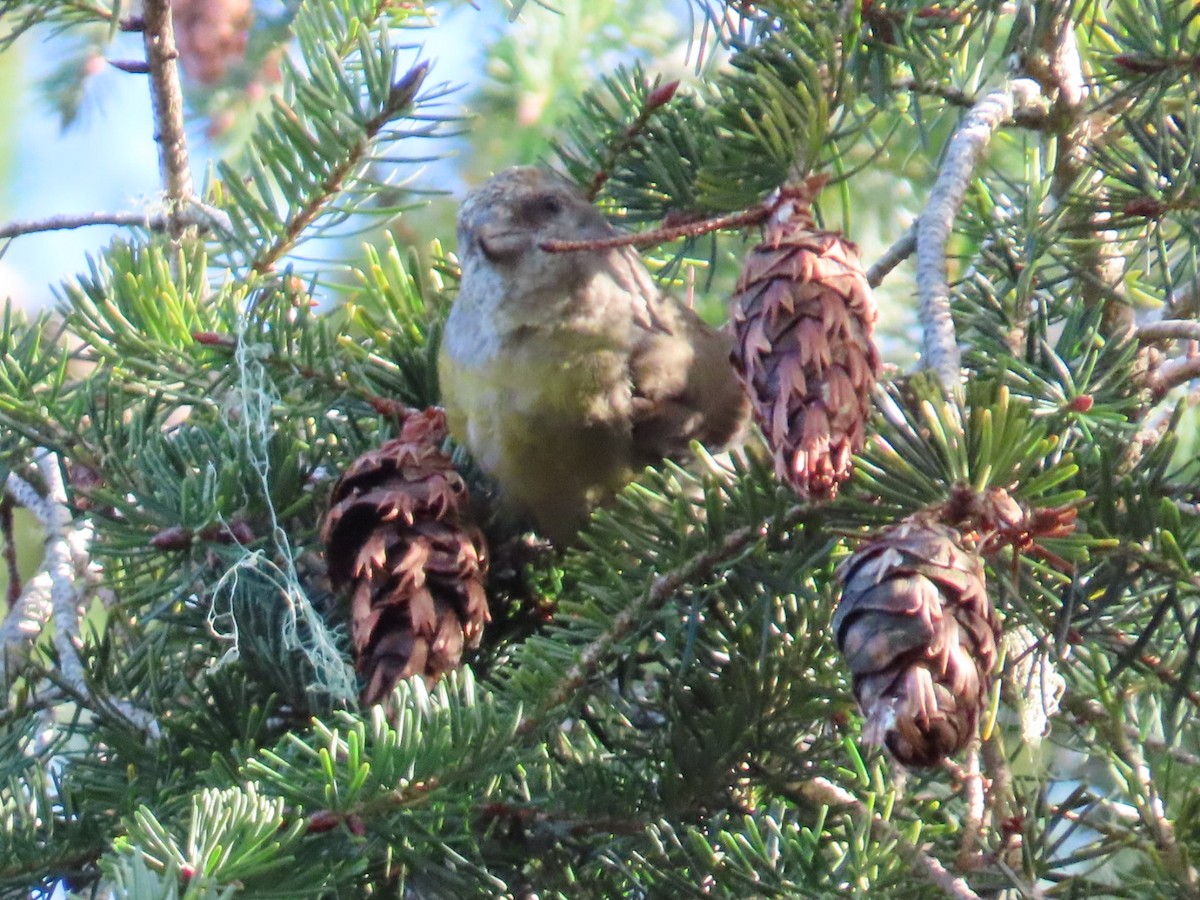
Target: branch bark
[
  {"x": 826, "y": 793},
  {"x": 941, "y": 350},
  {"x": 167, "y": 97}
]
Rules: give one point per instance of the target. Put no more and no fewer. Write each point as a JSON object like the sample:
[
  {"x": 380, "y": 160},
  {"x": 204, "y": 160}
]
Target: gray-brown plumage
[{"x": 566, "y": 373}]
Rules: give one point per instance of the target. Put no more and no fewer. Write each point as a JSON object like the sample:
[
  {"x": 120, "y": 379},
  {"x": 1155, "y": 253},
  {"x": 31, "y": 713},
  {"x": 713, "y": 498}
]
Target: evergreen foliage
[{"x": 660, "y": 711}]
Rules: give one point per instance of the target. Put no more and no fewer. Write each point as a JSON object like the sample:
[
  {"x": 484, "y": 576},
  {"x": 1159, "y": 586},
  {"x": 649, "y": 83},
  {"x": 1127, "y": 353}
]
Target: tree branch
[
  {"x": 660, "y": 591},
  {"x": 826, "y": 793},
  {"x": 1169, "y": 330},
  {"x": 941, "y": 350},
  {"x": 167, "y": 96},
  {"x": 54, "y": 591},
  {"x": 83, "y": 220},
  {"x": 893, "y": 256},
  {"x": 1173, "y": 373},
  {"x": 1150, "y": 806}
]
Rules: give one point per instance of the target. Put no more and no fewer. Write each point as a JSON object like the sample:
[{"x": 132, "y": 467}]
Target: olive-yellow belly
[{"x": 554, "y": 434}]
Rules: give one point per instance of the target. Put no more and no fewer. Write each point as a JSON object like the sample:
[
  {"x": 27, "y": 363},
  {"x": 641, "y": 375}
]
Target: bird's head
[{"x": 503, "y": 222}]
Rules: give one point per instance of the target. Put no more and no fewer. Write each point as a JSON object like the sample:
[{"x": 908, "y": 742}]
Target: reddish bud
[
  {"x": 174, "y": 538},
  {"x": 1081, "y": 404},
  {"x": 1142, "y": 65},
  {"x": 1146, "y": 207},
  {"x": 187, "y": 871},
  {"x": 661, "y": 95},
  {"x": 386, "y": 407},
  {"x": 132, "y": 66},
  {"x": 936, "y": 12},
  {"x": 1012, "y": 825},
  {"x": 321, "y": 821},
  {"x": 356, "y": 825},
  {"x": 212, "y": 339},
  {"x": 239, "y": 532}
]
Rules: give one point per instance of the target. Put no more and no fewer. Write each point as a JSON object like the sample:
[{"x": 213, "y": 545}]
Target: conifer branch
[
  {"x": 67, "y": 222},
  {"x": 1062, "y": 78},
  {"x": 193, "y": 214},
  {"x": 941, "y": 350},
  {"x": 1173, "y": 373},
  {"x": 55, "y": 590},
  {"x": 593, "y": 656},
  {"x": 402, "y": 94},
  {"x": 893, "y": 256},
  {"x": 1150, "y": 806},
  {"x": 826, "y": 793},
  {"x": 8, "y": 536},
  {"x": 158, "y": 36},
  {"x": 1169, "y": 330}
]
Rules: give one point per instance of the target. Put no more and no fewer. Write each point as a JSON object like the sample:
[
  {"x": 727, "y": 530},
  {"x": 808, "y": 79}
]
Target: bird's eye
[{"x": 545, "y": 206}]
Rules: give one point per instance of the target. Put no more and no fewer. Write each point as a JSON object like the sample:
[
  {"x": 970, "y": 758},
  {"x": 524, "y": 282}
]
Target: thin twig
[
  {"x": 893, "y": 256},
  {"x": 941, "y": 350},
  {"x": 972, "y": 828},
  {"x": 7, "y": 534},
  {"x": 55, "y": 590},
  {"x": 1169, "y": 330},
  {"x": 1091, "y": 712},
  {"x": 1062, "y": 77},
  {"x": 167, "y": 96},
  {"x": 656, "y": 236},
  {"x": 84, "y": 220},
  {"x": 1151, "y": 808},
  {"x": 659, "y": 592},
  {"x": 826, "y": 793},
  {"x": 1173, "y": 373},
  {"x": 949, "y": 93}
]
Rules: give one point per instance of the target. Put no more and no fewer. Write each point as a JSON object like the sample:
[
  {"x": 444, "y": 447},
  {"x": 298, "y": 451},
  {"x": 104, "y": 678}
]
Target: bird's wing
[{"x": 684, "y": 387}]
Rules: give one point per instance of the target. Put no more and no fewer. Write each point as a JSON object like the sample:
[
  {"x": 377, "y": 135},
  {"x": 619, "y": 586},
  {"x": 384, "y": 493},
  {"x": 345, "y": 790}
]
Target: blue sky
[{"x": 106, "y": 161}]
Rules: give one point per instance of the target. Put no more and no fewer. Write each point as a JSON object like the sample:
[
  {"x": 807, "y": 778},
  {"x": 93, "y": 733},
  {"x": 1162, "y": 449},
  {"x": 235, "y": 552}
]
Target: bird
[{"x": 564, "y": 374}]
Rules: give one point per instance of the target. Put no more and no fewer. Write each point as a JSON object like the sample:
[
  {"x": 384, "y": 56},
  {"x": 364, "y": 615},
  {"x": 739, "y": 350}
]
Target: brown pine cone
[
  {"x": 395, "y": 533},
  {"x": 211, "y": 34},
  {"x": 804, "y": 316},
  {"x": 919, "y": 634}
]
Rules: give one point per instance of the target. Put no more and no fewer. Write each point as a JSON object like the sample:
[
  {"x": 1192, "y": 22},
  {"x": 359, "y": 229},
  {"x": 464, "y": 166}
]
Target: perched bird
[{"x": 566, "y": 373}]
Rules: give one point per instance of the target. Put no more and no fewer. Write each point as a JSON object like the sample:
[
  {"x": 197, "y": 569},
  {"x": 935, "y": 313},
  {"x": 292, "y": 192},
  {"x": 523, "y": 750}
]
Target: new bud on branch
[
  {"x": 396, "y": 534},
  {"x": 804, "y": 316}
]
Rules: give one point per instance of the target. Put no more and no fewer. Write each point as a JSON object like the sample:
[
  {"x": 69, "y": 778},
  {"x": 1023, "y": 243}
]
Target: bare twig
[
  {"x": 167, "y": 96},
  {"x": 1169, "y": 330},
  {"x": 10, "y": 551},
  {"x": 973, "y": 792},
  {"x": 1173, "y": 373},
  {"x": 55, "y": 590},
  {"x": 941, "y": 350},
  {"x": 893, "y": 256},
  {"x": 825, "y": 792},
  {"x": 656, "y": 236},
  {"x": 659, "y": 592},
  {"x": 949, "y": 93},
  {"x": 1150, "y": 806},
  {"x": 65, "y": 222},
  {"x": 1061, "y": 75}
]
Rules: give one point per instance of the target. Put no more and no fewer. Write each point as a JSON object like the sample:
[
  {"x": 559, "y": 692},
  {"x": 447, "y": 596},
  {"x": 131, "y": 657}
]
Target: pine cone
[
  {"x": 919, "y": 634},
  {"x": 804, "y": 315},
  {"x": 395, "y": 533},
  {"x": 210, "y": 35}
]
